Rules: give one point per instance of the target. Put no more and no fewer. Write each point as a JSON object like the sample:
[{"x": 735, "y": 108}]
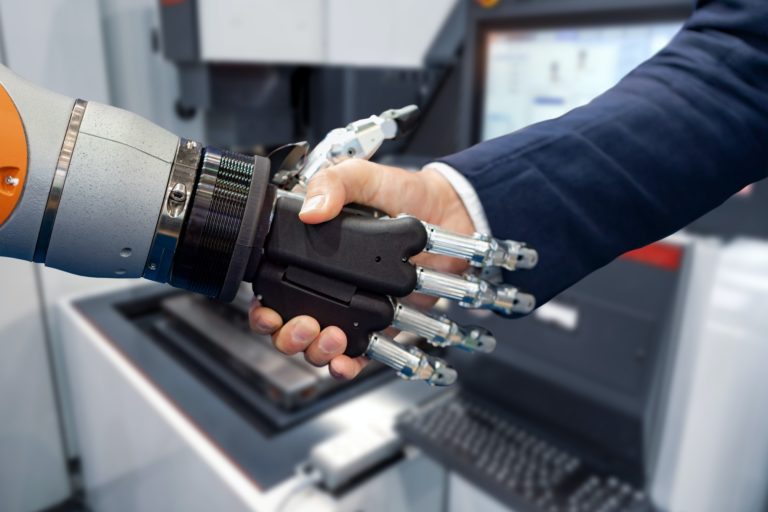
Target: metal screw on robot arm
[{"x": 410, "y": 362}]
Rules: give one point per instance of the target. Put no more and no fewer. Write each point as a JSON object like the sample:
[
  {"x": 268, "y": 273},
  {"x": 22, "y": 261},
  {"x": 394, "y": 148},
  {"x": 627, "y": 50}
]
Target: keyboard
[{"x": 522, "y": 470}]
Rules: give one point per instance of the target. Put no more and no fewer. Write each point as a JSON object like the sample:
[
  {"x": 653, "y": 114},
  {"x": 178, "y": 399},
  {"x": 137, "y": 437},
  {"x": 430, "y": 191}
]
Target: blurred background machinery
[{"x": 641, "y": 388}]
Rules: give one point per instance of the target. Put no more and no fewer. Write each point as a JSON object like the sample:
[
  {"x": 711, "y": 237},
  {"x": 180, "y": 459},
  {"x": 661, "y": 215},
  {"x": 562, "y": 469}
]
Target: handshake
[{"x": 375, "y": 245}]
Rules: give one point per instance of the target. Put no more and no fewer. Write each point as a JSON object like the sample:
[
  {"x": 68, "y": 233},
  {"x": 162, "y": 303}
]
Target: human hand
[{"x": 426, "y": 195}]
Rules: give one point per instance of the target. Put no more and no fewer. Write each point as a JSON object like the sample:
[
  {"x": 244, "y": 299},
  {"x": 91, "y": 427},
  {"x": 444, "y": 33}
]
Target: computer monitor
[
  {"x": 536, "y": 74},
  {"x": 529, "y": 61}
]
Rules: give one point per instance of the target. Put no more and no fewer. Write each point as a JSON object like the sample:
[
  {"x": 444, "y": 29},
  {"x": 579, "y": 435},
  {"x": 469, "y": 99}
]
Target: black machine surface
[{"x": 217, "y": 337}]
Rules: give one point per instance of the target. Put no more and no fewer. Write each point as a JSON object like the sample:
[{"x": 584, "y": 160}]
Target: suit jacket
[{"x": 674, "y": 139}]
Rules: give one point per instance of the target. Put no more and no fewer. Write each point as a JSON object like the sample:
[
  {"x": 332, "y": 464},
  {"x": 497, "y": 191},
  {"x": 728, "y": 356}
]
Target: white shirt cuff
[{"x": 467, "y": 193}]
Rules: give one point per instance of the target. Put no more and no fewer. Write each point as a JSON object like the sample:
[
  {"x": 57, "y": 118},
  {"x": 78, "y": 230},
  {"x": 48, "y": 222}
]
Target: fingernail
[
  {"x": 313, "y": 203},
  {"x": 264, "y": 326},
  {"x": 329, "y": 344},
  {"x": 303, "y": 333}
]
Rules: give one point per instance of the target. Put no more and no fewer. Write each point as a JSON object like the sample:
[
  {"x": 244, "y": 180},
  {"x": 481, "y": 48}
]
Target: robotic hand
[
  {"x": 97, "y": 191},
  {"x": 350, "y": 271}
]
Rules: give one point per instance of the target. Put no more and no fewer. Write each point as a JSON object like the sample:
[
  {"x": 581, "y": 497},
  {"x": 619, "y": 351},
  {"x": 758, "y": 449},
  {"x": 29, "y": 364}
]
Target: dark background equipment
[
  {"x": 564, "y": 414},
  {"x": 264, "y": 105},
  {"x": 579, "y": 378}
]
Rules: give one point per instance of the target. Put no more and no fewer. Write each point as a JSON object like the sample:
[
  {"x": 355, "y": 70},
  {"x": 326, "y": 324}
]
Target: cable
[{"x": 311, "y": 476}]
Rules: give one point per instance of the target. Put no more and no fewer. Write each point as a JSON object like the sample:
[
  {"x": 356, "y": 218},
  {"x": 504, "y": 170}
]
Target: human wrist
[{"x": 448, "y": 205}]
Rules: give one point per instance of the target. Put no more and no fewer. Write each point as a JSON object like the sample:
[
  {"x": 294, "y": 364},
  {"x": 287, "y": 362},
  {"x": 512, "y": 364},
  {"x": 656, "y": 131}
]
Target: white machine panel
[
  {"x": 57, "y": 44},
  {"x": 138, "y": 450},
  {"x": 282, "y": 31},
  {"x": 715, "y": 453},
  {"x": 394, "y": 33},
  {"x": 62, "y": 50},
  {"x": 32, "y": 466}
]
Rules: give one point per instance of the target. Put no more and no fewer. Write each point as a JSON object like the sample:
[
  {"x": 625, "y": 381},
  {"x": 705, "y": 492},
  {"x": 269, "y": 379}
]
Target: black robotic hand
[{"x": 351, "y": 271}]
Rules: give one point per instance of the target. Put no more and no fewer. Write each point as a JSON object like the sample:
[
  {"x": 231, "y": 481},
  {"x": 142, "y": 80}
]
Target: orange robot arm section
[{"x": 13, "y": 156}]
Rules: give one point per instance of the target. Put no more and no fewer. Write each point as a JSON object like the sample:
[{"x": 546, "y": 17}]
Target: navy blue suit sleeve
[{"x": 674, "y": 139}]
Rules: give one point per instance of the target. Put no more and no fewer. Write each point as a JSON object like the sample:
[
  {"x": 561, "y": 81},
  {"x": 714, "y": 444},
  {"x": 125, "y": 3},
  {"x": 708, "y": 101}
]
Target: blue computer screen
[{"x": 535, "y": 75}]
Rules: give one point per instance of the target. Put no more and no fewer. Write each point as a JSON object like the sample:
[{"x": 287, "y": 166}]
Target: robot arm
[
  {"x": 87, "y": 195},
  {"x": 97, "y": 191}
]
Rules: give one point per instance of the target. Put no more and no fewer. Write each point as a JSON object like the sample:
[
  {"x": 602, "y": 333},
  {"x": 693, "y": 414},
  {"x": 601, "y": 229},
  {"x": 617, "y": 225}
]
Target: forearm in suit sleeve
[{"x": 674, "y": 139}]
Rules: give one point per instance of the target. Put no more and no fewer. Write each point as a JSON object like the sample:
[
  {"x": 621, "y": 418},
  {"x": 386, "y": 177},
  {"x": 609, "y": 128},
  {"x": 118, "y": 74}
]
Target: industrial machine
[
  {"x": 167, "y": 418},
  {"x": 585, "y": 404},
  {"x": 344, "y": 60},
  {"x": 619, "y": 395},
  {"x": 601, "y": 400},
  {"x": 583, "y": 425}
]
